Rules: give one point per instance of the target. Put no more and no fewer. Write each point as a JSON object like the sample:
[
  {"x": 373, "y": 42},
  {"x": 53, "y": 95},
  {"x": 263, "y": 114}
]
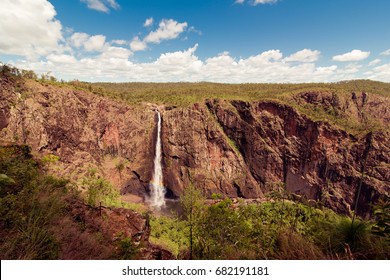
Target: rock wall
[
  {"x": 236, "y": 149},
  {"x": 197, "y": 151},
  {"x": 86, "y": 131},
  {"x": 312, "y": 159}
]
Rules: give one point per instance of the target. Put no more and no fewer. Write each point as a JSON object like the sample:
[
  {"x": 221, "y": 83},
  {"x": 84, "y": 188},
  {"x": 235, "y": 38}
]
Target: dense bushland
[{"x": 275, "y": 229}]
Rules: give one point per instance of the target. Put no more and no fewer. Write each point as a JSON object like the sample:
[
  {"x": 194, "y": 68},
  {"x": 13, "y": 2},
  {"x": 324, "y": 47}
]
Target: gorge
[
  {"x": 232, "y": 148},
  {"x": 315, "y": 146}
]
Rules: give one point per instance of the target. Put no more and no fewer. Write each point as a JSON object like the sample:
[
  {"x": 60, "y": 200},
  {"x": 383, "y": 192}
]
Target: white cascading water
[{"x": 157, "y": 189}]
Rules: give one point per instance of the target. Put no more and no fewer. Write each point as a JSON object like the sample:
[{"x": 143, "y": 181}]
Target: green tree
[{"x": 192, "y": 201}]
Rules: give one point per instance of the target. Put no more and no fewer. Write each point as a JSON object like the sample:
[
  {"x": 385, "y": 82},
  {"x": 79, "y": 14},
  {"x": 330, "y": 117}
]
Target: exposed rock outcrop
[
  {"x": 86, "y": 131},
  {"x": 310, "y": 158},
  {"x": 237, "y": 149},
  {"x": 197, "y": 151}
]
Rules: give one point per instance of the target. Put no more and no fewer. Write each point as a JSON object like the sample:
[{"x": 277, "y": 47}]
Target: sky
[{"x": 230, "y": 41}]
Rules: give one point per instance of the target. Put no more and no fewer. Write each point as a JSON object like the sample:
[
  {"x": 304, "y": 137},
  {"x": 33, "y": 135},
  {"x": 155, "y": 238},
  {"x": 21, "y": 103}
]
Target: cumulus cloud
[
  {"x": 137, "y": 45},
  {"x": 380, "y": 73},
  {"x": 354, "y": 55},
  {"x": 78, "y": 39},
  {"x": 119, "y": 42},
  {"x": 95, "y": 43},
  {"x": 116, "y": 53},
  {"x": 61, "y": 58},
  {"x": 374, "y": 62},
  {"x": 168, "y": 29},
  {"x": 304, "y": 55},
  {"x": 92, "y": 58},
  {"x": 256, "y": 2},
  {"x": 28, "y": 28},
  {"x": 386, "y": 52},
  {"x": 101, "y": 5},
  {"x": 148, "y": 22},
  {"x": 114, "y": 64}
]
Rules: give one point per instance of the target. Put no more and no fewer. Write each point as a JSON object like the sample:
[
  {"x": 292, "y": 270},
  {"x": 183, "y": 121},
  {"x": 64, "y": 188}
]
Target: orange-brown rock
[{"x": 233, "y": 148}]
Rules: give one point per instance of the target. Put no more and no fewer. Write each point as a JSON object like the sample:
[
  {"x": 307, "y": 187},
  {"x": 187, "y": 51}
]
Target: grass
[
  {"x": 28, "y": 205},
  {"x": 169, "y": 233}
]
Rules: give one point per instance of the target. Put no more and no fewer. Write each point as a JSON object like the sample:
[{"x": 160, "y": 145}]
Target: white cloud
[
  {"x": 95, "y": 43},
  {"x": 61, "y": 58},
  {"x": 305, "y": 55},
  {"x": 193, "y": 29},
  {"x": 101, "y": 5},
  {"x": 89, "y": 43},
  {"x": 265, "y": 58},
  {"x": 168, "y": 29},
  {"x": 148, "y": 22},
  {"x": 386, "y": 52},
  {"x": 28, "y": 28},
  {"x": 354, "y": 55},
  {"x": 256, "y": 2},
  {"x": 137, "y": 45},
  {"x": 351, "y": 68},
  {"x": 113, "y": 64},
  {"x": 119, "y": 42},
  {"x": 116, "y": 53},
  {"x": 78, "y": 39},
  {"x": 374, "y": 62},
  {"x": 380, "y": 73}
]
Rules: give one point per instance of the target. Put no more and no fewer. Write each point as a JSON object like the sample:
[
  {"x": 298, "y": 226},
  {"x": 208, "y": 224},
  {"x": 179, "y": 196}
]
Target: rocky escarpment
[
  {"x": 196, "y": 151},
  {"x": 232, "y": 148},
  {"x": 310, "y": 158},
  {"x": 84, "y": 130},
  {"x": 241, "y": 149}
]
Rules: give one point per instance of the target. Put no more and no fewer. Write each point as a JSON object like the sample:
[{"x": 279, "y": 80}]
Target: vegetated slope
[
  {"x": 43, "y": 217},
  {"x": 313, "y": 140}
]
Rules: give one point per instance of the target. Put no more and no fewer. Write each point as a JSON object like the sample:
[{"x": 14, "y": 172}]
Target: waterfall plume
[{"x": 157, "y": 197}]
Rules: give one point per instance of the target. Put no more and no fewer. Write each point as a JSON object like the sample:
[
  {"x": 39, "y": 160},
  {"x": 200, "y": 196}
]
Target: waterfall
[{"x": 157, "y": 188}]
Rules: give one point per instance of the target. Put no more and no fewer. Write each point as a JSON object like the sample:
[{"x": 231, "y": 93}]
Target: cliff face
[
  {"x": 197, "y": 150},
  {"x": 84, "y": 130},
  {"x": 237, "y": 149},
  {"x": 312, "y": 159},
  {"x": 242, "y": 149}
]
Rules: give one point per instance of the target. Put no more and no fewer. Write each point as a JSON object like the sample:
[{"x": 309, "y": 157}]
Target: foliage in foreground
[
  {"x": 36, "y": 220},
  {"x": 29, "y": 203},
  {"x": 270, "y": 230}
]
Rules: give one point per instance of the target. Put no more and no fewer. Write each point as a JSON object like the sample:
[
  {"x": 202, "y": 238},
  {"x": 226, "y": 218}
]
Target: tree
[
  {"x": 119, "y": 167},
  {"x": 192, "y": 201}
]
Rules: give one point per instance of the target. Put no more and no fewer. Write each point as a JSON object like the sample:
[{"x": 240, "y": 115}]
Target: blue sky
[{"x": 197, "y": 40}]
